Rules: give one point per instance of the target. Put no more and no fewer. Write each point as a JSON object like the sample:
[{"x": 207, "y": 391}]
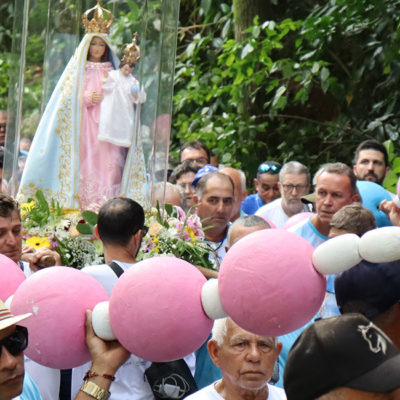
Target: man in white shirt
[
  {"x": 121, "y": 228},
  {"x": 294, "y": 182},
  {"x": 246, "y": 361}
]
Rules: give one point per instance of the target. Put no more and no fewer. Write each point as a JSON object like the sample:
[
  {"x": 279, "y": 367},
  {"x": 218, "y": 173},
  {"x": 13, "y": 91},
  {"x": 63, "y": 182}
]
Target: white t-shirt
[
  {"x": 130, "y": 382},
  {"x": 274, "y": 212},
  {"x": 209, "y": 393}
]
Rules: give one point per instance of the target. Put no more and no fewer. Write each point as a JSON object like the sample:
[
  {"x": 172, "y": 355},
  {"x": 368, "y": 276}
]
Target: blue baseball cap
[
  {"x": 372, "y": 288},
  {"x": 207, "y": 169}
]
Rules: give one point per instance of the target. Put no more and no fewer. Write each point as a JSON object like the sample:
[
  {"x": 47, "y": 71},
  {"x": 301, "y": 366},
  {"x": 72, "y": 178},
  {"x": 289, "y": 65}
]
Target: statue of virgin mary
[{"x": 67, "y": 161}]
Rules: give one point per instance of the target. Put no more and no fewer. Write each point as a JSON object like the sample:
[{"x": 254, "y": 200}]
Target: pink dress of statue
[{"x": 101, "y": 163}]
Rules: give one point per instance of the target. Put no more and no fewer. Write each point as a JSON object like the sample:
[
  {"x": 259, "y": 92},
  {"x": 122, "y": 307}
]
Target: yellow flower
[
  {"x": 154, "y": 228},
  {"x": 28, "y": 206},
  {"x": 190, "y": 231},
  {"x": 37, "y": 242}
]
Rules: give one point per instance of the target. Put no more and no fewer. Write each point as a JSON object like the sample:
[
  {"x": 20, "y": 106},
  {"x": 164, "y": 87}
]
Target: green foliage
[
  {"x": 4, "y": 79},
  {"x": 87, "y": 227},
  {"x": 40, "y": 213},
  {"x": 310, "y": 89},
  {"x": 390, "y": 181}
]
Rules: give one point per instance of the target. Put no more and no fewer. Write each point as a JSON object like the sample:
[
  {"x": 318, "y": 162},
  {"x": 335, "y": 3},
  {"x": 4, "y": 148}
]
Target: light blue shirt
[
  {"x": 308, "y": 231},
  {"x": 30, "y": 390}
]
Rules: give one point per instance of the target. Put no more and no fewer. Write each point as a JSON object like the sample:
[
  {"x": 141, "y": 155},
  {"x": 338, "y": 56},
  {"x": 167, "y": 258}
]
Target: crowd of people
[{"x": 334, "y": 356}]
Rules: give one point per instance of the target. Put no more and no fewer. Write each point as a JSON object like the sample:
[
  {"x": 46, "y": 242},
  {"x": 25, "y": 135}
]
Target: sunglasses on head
[
  {"x": 17, "y": 342},
  {"x": 270, "y": 168}
]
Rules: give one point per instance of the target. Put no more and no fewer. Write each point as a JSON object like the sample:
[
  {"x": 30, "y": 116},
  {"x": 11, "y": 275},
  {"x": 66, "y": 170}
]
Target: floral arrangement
[
  {"x": 66, "y": 231},
  {"x": 174, "y": 233}
]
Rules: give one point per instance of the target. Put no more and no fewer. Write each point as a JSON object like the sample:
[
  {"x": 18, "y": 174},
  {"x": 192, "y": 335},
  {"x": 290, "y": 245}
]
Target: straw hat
[{"x": 7, "y": 319}]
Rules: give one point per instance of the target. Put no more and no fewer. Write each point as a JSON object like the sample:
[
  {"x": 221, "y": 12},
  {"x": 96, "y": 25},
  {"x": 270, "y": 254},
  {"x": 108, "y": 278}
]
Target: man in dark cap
[
  {"x": 343, "y": 358},
  {"x": 374, "y": 291}
]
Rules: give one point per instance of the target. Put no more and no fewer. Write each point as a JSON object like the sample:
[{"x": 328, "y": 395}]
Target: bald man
[{"x": 239, "y": 183}]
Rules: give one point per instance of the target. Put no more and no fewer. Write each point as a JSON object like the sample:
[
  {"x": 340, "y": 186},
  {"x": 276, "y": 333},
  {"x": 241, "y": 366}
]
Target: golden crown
[
  {"x": 131, "y": 51},
  {"x": 101, "y": 21}
]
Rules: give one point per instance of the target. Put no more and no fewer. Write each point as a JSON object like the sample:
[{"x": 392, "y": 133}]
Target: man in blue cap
[{"x": 266, "y": 185}]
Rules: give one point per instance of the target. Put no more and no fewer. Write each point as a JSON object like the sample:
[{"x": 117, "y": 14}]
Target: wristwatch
[{"x": 95, "y": 391}]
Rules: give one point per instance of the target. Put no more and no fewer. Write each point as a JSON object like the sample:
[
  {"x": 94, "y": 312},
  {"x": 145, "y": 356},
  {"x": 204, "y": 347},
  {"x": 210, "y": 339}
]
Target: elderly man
[
  {"x": 246, "y": 361},
  {"x": 195, "y": 151},
  {"x": 266, "y": 185},
  {"x": 239, "y": 183},
  {"x": 371, "y": 161},
  {"x": 343, "y": 358},
  {"x": 215, "y": 197},
  {"x": 294, "y": 182}
]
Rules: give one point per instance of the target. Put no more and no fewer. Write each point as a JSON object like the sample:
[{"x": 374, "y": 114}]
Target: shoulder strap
[{"x": 116, "y": 268}]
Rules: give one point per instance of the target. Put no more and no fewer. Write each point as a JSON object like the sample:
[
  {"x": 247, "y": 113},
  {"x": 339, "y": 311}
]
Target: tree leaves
[{"x": 318, "y": 86}]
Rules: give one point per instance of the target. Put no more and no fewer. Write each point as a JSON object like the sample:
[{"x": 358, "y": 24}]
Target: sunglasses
[
  {"x": 271, "y": 168},
  {"x": 145, "y": 229},
  {"x": 17, "y": 342}
]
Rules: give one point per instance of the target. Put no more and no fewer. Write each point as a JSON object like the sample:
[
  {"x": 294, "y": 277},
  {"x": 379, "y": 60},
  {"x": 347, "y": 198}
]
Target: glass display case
[{"x": 55, "y": 29}]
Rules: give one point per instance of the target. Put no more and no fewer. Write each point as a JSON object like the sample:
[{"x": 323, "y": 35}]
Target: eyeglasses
[
  {"x": 17, "y": 342},
  {"x": 200, "y": 160},
  {"x": 270, "y": 168},
  {"x": 290, "y": 187}
]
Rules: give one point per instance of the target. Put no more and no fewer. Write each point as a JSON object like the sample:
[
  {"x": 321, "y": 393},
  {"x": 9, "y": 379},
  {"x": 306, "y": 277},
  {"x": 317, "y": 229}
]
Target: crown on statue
[
  {"x": 101, "y": 21},
  {"x": 131, "y": 51}
]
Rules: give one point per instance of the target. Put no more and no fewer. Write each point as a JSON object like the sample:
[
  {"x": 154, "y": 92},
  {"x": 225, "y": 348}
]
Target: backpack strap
[{"x": 116, "y": 268}]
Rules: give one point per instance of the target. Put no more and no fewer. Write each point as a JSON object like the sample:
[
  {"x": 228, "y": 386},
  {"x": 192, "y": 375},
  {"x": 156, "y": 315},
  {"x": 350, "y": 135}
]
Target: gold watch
[{"x": 95, "y": 391}]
